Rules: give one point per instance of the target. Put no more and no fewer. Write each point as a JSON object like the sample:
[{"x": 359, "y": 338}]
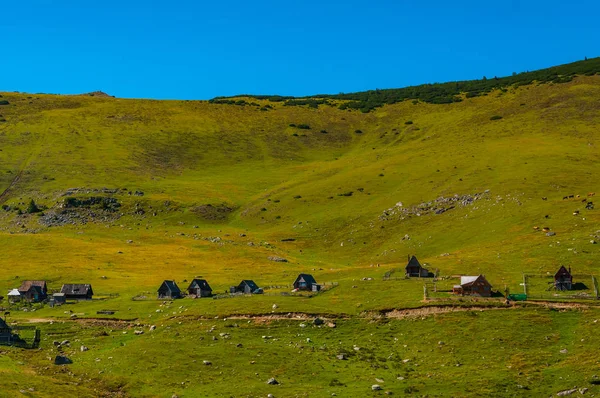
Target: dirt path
[
  {"x": 303, "y": 316},
  {"x": 14, "y": 181}
]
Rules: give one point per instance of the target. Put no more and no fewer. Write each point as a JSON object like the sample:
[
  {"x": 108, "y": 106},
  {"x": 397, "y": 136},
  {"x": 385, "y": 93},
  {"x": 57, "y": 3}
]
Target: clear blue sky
[{"x": 195, "y": 49}]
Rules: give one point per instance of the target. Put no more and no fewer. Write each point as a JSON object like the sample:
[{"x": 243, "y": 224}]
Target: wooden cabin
[
  {"x": 473, "y": 286},
  {"x": 306, "y": 282},
  {"x": 59, "y": 298},
  {"x": 77, "y": 291},
  {"x": 415, "y": 269},
  {"x": 563, "y": 280},
  {"x": 34, "y": 290},
  {"x": 247, "y": 287},
  {"x": 14, "y": 296},
  {"x": 169, "y": 290},
  {"x": 199, "y": 288}
]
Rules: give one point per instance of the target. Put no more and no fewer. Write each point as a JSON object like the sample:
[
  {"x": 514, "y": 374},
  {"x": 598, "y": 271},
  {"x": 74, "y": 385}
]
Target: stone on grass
[
  {"x": 62, "y": 360},
  {"x": 272, "y": 381},
  {"x": 376, "y": 387},
  {"x": 564, "y": 393},
  {"x": 84, "y": 348}
]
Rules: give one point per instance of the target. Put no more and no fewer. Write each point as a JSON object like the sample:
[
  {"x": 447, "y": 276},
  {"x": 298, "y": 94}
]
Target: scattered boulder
[
  {"x": 138, "y": 332},
  {"x": 62, "y": 360},
  {"x": 331, "y": 325},
  {"x": 318, "y": 321},
  {"x": 272, "y": 381},
  {"x": 564, "y": 351},
  {"x": 207, "y": 363},
  {"x": 551, "y": 233},
  {"x": 566, "y": 392},
  {"x": 84, "y": 348},
  {"x": 153, "y": 327},
  {"x": 341, "y": 357},
  {"x": 277, "y": 259},
  {"x": 376, "y": 387}
]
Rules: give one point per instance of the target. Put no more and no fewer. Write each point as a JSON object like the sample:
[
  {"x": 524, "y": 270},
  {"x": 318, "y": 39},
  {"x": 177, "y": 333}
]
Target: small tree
[{"x": 32, "y": 208}]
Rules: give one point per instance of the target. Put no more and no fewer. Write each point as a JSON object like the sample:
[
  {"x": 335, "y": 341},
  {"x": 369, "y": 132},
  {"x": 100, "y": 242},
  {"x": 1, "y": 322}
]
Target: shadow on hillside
[{"x": 579, "y": 286}]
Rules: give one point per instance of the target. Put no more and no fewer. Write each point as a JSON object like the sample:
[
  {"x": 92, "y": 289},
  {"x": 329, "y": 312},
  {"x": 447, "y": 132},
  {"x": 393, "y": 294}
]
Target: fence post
[
  {"x": 525, "y": 284},
  {"x": 595, "y": 282}
]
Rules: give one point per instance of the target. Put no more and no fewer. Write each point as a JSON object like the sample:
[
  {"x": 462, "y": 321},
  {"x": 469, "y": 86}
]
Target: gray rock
[
  {"x": 84, "y": 348},
  {"x": 207, "y": 363},
  {"x": 277, "y": 259},
  {"x": 376, "y": 387},
  {"x": 341, "y": 357},
  {"x": 551, "y": 233},
  {"x": 272, "y": 381},
  {"x": 318, "y": 321},
  {"x": 566, "y": 392},
  {"x": 62, "y": 360}
]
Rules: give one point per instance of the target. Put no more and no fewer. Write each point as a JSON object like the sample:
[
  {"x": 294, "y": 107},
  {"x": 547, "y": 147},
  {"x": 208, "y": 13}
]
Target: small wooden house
[
  {"x": 59, "y": 298},
  {"x": 34, "y": 290},
  {"x": 563, "y": 280},
  {"x": 247, "y": 287},
  {"x": 306, "y": 282},
  {"x": 169, "y": 290},
  {"x": 14, "y": 296},
  {"x": 77, "y": 291},
  {"x": 415, "y": 269},
  {"x": 200, "y": 288},
  {"x": 473, "y": 286}
]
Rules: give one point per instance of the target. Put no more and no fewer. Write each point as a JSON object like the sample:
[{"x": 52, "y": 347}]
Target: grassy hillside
[{"x": 132, "y": 192}]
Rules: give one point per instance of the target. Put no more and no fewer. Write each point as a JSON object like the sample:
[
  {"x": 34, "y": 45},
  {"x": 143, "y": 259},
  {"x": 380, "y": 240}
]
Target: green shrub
[
  {"x": 33, "y": 208},
  {"x": 4, "y": 102}
]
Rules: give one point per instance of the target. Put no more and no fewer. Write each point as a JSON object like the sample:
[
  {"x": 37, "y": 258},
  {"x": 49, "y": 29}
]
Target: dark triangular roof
[
  {"x": 79, "y": 289},
  {"x": 170, "y": 285},
  {"x": 308, "y": 278},
  {"x": 253, "y": 286},
  {"x": 413, "y": 262},
  {"x": 562, "y": 271},
  {"x": 201, "y": 283}
]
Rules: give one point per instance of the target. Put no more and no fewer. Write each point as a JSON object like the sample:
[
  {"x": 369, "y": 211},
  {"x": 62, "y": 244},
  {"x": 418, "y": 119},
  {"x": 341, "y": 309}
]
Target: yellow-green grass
[{"x": 287, "y": 183}]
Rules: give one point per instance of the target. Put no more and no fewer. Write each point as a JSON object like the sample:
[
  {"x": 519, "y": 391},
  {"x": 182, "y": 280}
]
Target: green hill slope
[{"x": 330, "y": 191}]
